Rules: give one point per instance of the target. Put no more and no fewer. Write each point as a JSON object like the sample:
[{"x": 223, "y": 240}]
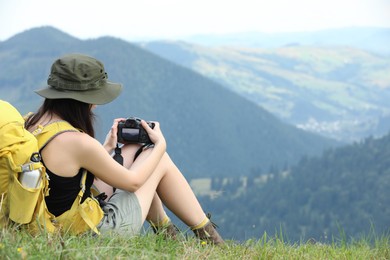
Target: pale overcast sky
[{"x": 147, "y": 19}]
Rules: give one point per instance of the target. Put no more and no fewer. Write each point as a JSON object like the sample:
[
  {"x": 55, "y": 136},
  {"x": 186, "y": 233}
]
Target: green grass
[{"x": 20, "y": 245}]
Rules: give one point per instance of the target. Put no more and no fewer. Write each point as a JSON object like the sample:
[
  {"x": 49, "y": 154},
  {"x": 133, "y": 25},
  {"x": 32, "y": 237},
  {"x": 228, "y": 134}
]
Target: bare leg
[
  {"x": 171, "y": 186},
  {"x": 156, "y": 212},
  {"x": 103, "y": 187},
  {"x": 175, "y": 192},
  {"x": 177, "y": 195}
]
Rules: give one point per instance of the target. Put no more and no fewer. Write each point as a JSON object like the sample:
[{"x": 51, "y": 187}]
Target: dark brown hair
[{"x": 78, "y": 114}]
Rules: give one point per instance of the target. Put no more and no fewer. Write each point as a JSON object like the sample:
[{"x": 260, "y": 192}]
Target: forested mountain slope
[
  {"x": 345, "y": 193},
  {"x": 210, "y": 130}
]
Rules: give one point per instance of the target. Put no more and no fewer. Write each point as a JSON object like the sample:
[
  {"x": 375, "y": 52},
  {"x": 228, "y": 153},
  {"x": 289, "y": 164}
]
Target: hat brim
[{"x": 107, "y": 93}]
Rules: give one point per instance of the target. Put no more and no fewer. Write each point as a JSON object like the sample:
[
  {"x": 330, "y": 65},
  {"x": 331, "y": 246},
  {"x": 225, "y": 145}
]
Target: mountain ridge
[
  {"x": 339, "y": 92},
  {"x": 210, "y": 130},
  {"x": 372, "y": 39}
]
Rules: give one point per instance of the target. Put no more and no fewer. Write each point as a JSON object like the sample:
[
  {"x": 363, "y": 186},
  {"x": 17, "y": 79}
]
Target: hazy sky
[{"x": 129, "y": 19}]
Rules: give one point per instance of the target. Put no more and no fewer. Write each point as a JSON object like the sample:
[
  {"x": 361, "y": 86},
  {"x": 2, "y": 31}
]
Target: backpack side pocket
[{"x": 22, "y": 200}]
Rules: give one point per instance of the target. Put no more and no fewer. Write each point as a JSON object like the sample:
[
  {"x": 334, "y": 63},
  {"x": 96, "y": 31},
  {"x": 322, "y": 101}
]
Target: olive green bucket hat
[{"x": 80, "y": 77}]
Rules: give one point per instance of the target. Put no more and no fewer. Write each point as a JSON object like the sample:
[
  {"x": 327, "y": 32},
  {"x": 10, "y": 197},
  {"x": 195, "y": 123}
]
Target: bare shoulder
[
  {"x": 73, "y": 137},
  {"x": 66, "y": 153},
  {"x": 76, "y": 141}
]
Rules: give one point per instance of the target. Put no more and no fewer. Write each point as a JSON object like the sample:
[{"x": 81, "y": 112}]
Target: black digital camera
[{"x": 130, "y": 131}]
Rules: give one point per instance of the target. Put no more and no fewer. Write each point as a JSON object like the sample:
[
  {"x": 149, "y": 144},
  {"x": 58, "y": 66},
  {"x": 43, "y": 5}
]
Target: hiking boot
[
  {"x": 169, "y": 231},
  {"x": 209, "y": 234}
]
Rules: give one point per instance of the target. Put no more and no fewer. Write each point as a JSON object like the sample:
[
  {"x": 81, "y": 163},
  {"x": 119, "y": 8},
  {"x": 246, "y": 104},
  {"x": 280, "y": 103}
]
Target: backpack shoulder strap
[{"x": 45, "y": 134}]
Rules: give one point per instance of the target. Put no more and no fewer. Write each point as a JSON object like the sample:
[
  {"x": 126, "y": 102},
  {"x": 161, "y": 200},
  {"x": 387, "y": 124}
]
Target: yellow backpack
[{"x": 20, "y": 165}]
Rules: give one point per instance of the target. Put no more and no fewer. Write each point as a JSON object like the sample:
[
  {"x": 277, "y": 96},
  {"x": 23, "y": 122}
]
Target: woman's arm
[{"x": 94, "y": 157}]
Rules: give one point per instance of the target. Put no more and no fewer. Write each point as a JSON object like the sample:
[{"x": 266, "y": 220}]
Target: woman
[{"x": 77, "y": 83}]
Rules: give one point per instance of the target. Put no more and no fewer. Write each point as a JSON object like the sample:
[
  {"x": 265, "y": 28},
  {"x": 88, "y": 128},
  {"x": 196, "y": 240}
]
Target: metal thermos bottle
[{"x": 30, "y": 179}]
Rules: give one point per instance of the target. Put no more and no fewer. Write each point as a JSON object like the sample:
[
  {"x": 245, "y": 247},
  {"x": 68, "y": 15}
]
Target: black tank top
[{"x": 64, "y": 190}]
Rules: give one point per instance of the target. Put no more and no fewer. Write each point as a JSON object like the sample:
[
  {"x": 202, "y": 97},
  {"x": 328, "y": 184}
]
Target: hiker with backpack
[{"x": 76, "y": 84}]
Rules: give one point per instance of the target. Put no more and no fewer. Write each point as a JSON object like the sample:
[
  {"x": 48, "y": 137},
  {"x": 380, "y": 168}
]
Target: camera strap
[
  {"x": 139, "y": 151},
  {"x": 119, "y": 158},
  {"x": 118, "y": 155}
]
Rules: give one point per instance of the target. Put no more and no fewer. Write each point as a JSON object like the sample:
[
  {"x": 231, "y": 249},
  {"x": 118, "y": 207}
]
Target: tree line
[{"x": 343, "y": 193}]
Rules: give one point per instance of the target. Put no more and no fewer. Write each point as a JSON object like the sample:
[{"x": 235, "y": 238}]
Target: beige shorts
[{"x": 122, "y": 214}]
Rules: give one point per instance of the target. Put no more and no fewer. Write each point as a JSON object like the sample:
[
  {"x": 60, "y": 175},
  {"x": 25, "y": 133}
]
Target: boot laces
[{"x": 208, "y": 215}]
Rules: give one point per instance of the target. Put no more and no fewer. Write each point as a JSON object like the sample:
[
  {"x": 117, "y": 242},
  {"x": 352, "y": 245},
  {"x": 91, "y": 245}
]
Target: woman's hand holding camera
[
  {"x": 155, "y": 134},
  {"x": 111, "y": 137}
]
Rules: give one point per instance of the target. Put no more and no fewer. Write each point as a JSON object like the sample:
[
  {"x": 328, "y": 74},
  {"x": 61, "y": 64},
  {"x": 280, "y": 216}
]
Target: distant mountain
[
  {"x": 337, "y": 91},
  {"x": 372, "y": 39},
  {"x": 210, "y": 130}
]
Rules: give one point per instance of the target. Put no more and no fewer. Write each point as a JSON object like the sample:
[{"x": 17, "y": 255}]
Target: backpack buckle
[
  {"x": 27, "y": 167},
  {"x": 35, "y": 157}
]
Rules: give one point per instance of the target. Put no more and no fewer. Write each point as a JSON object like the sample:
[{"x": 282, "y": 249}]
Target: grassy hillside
[
  {"x": 337, "y": 91},
  {"x": 21, "y": 246},
  {"x": 210, "y": 130}
]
